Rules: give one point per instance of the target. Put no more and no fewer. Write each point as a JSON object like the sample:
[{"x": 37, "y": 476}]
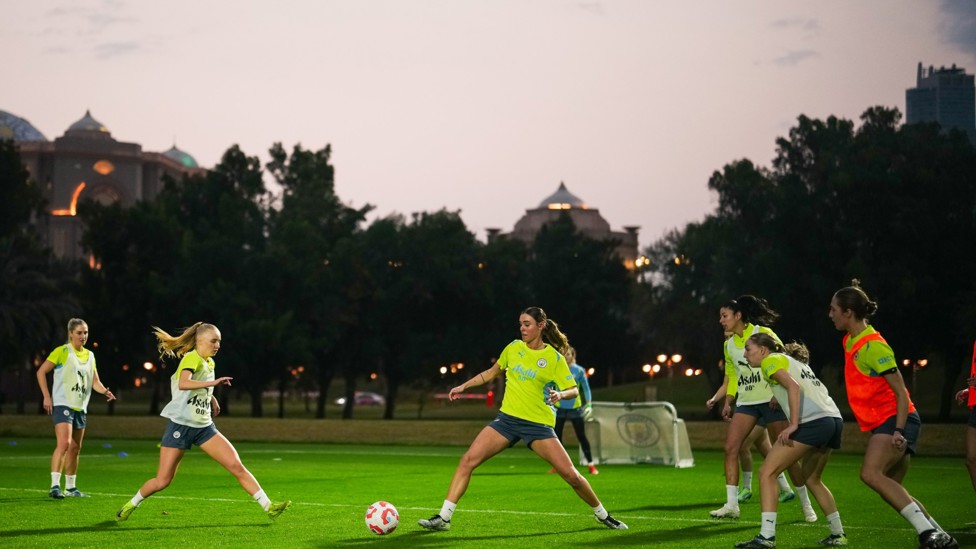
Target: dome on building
[
  {"x": 183, "y": 158},
  {"x": 562, "y": 199},
  {"x": 88, "y": 124},
  {"x": 18, "y": 129}
]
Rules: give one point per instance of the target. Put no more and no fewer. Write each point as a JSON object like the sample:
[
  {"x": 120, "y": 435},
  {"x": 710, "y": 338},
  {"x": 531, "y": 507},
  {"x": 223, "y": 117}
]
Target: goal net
[{"x": 638, "y": 432}]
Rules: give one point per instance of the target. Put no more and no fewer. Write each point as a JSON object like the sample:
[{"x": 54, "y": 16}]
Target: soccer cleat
[
  {"x": 834, "y": 540},
  {"x": 435, "y": 523},
  {"x": 611, "y": 523},
  {"x": 276, "y": 509},
  {"x": 936, "y": 539},
  {"x": 75, "y": 493},
  {"x": 786, "y": 495},
  {"x": 56, "y": 492},
  {"x": 125, "y": 511},
  {"x": 757, "y": 542},
  {"x": 725, "y": 512},
  {"x": 809, "y": 514},
  {"x": 593, "y": 470},
  {"x": 744, "y": 494}
]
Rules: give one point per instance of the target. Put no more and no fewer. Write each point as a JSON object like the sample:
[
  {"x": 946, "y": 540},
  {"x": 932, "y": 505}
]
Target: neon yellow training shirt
[{"x": 527, "y": 372}]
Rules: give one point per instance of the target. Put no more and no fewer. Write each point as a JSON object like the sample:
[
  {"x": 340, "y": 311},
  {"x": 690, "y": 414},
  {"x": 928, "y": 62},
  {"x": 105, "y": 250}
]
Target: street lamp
[{"x": 915, "y": 365}]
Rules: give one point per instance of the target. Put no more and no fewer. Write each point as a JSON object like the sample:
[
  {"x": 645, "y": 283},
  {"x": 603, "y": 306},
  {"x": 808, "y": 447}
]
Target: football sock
[
  {"x": 262, "y": 499},
  {"x": 447, "y": 510},
  {"x": 784, "y": 486},
  {"x": 600, "y": 512},
  {"x": 69, "y": 481},
  {"x": 747, "y": 479},
  {"x": 833, "y": 520},
  {"x": 55, "y": 479},
  {"x": 731, "y": 496},
  {"x": 801, "y": 492},
  {"x": 916, "y": 517},
  {"x": 768, "y": 529},
  {"x": 137, "y": 499}
]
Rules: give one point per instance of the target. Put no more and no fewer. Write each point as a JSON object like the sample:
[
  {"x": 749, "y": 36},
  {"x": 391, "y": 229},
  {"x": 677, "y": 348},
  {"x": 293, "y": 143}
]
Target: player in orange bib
[
  {"x": 881, "y": 404},
  {"x": 967, "y": 396}
]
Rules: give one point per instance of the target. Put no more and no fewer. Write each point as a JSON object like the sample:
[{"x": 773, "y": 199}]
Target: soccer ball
[{"x": 382, "y": 518}]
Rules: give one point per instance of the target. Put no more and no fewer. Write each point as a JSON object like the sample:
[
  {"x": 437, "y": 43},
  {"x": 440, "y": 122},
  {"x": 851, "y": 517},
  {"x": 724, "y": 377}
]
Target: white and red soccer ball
[{"x": 382, "y": 518}]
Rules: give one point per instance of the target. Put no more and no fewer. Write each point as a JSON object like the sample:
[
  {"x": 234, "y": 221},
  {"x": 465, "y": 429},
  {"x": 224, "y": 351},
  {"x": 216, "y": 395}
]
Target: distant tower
[{"x": 942, "y": 95}]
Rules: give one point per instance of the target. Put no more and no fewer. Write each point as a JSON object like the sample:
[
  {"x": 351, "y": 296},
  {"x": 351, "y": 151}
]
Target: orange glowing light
[{"x": 73, "y": 210}]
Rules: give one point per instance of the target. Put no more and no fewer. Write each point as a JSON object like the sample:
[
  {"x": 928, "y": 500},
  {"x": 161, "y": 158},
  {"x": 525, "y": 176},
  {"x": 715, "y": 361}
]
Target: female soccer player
[
  {"x": 190, "y": 421},
  {"x": 752, "y": 399},
  {"x": 576, "y": 410},
  {"x": 881, "y": 405},
  {"x": 967, "y": 396},
  {"x": 75, "y": 376},
  {"x": 529, "y": 363},
  {"x": 815, "y": 429}
]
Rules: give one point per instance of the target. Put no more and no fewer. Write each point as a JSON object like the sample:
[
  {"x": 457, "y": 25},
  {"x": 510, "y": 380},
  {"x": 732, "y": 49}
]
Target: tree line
[{"x": 306, "y": 291}]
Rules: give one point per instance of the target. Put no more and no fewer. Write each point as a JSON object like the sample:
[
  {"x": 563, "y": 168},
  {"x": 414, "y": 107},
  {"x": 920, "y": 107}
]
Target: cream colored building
[
  {"x": 87, "y": 163},
  {"x": 587, "y": 220}
]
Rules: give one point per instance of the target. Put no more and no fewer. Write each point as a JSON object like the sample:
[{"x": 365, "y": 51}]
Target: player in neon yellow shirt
[
  {"x": 529, "y": 364},
  {"x": 75, "y": 377},
  {"x": 190, "y": 418}
]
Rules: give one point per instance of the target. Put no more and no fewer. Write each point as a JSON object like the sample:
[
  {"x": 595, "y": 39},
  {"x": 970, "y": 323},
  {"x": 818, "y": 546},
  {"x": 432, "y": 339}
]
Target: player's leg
[
  {"x": 796, "y": 475},
  {"x": 169, "y": 462},
  {"x": 746, "y": 462},
  {"x": 579, "y": 427},
  {"x": 971, "y": 448},
  {"x": 488, "y": 443},
  {"x": 776, "y": 461},
  {"x": 224, "y": 453},
  {"x": 813, "y": 467},
  {"x": 552, "y": 451},
  {"x": 71, "y": 462},
  {"x": 62, "y": 434},
  {"x": 740, "y": 426}
]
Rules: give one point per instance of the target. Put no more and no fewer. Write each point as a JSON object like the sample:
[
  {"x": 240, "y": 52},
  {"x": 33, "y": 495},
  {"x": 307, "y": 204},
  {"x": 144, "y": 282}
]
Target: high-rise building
[{"x": 942, "y": 95}]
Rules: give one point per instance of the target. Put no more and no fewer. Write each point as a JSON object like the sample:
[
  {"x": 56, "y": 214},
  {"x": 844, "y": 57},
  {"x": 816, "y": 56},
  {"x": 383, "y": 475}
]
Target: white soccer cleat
[
  {"x": 809, "y": 514},
  {"x": 725, "y": 511}
]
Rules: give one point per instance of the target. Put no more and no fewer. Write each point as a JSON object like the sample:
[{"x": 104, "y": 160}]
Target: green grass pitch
[{"x": 511, "y": 502}]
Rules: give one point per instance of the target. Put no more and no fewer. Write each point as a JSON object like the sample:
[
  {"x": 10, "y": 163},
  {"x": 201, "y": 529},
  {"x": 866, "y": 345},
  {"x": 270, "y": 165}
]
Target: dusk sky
[{"x": 481, "y": 106}]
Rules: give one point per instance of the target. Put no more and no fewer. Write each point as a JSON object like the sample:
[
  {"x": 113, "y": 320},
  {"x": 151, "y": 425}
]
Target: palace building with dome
[{"x": 87, "y": 163}]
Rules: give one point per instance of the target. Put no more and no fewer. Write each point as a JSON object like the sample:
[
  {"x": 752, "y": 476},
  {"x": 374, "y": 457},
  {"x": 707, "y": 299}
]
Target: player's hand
[
  {"x": 47, "y": 406},
  {"x": 709, "y": 404},
  {"x": 784, "y": 435},
  {"x": 554, "y": 396},
  {"x": 223, "y": 381},
  {"x": 587, "y": 412},
  {"x": 455, "y": 392},
  {"x": 962, "y": 396},
  {"x": 727, "y": 412},
  {"x": 215, "y": 407},
  {"x": 108, "y": 395},
  {"x": 898, "y": 440}
]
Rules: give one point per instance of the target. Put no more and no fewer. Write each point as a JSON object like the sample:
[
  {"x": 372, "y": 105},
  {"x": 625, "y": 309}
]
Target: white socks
[
  {"x": 833, "y": 520},
  {"x": 916, "y": 517},
  {"x": 600, "y": 512},
  {"x": 768, "y": 528},
  {"x": 137, "y": 499},
  {"x": 731, "y": 496},
  {"x": 801, "y": 492},
  {"x": 263, "y": 500},
  {"x": 784, "y": 486},
  {"x": 56, "y": 479},
  {"x": 69, "y": 481},
  {"x": 447, "y": 510},
  {"x": 747, "y": 479}
]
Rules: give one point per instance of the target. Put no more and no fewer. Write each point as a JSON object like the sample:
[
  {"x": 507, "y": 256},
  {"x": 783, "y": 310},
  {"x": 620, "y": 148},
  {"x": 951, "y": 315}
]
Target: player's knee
[{"x": 574, "y": 479}]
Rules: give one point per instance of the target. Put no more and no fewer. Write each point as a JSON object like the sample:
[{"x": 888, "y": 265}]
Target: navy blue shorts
[
  {"x": 913, "y": 427},
  {"x": 823, "y": 432},
  {"x": 63, "y": 414},
  {"x": 763, "y": 413},
  {"x": 184, "y": 436},
  {"x": 515, "y": 429}
]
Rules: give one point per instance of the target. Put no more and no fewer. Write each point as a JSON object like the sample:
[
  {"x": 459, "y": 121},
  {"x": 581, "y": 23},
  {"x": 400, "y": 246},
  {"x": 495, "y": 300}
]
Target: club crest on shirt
[{"x": 541, "y": 363}]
